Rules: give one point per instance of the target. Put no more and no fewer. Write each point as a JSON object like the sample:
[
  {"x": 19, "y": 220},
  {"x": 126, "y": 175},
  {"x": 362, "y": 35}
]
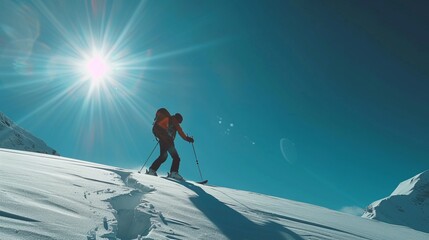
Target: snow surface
[
  {"x": 51, "y": 197},
  {"x": 408, "y": 205},
  {"x": 14, "y": 137}
]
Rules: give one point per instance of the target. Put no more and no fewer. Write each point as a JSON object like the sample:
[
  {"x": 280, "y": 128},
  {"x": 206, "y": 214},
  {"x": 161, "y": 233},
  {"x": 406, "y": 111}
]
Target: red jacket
[{"x": 170, "y": 124}]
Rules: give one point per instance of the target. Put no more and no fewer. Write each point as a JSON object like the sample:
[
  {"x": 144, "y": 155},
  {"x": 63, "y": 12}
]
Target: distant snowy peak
[
  {"x": 14, "y": 137},
  {"x": 408, "y": 205}
]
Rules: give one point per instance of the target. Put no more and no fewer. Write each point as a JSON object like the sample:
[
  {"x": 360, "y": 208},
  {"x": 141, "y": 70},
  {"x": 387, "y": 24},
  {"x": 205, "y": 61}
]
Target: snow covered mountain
[
  {"x": 52, "y": 197},
  {"x": 408, "y": 205},
  {"x": 14, "y": 137}
]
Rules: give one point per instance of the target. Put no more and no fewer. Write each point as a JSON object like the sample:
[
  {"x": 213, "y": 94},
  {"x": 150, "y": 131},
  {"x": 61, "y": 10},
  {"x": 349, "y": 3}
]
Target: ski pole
[
  {"x": 196, "y": 159},
  {"x": 157, "y": 142}
]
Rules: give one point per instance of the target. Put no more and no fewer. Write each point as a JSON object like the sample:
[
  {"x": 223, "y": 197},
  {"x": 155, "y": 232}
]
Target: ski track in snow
[{"x": 133, "y": 215}]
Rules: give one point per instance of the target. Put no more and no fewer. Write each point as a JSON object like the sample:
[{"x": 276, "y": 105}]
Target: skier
[{"x": 164, "y": 129}]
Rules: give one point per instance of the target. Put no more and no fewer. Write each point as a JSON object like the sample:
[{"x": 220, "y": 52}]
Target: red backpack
[{"x": 161, "y": 114}]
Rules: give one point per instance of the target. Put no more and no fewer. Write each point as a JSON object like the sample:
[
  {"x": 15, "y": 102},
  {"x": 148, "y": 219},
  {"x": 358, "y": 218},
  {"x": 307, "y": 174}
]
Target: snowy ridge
[
  {"x": 408, "y": 205},
  {"x": 14, "y": 137},
  {"x": 51, "y": 197}
]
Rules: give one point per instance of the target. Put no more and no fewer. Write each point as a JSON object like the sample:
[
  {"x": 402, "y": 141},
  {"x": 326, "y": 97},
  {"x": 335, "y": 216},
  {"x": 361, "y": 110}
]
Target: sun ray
[
  {"x": 184, "y": 50},
  {"x": 127, "y": 29},
  {"x": 67, "y": 35}
]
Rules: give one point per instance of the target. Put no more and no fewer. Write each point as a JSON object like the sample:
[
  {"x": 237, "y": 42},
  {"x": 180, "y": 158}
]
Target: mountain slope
[
  {"x": 408, "y": 205},
  {"x": 14, "y": 137},
  {"x": 51, "y": 197}
]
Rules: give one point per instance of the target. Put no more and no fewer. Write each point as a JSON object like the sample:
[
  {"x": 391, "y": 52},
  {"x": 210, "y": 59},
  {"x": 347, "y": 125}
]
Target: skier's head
[{"x": 178, "y": 117}]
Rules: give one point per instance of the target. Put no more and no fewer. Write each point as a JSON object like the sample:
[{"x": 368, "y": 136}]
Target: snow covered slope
[
  {"x": 14, "y": 137},
  {"x": 408, "y": 205},
  {"x": 51, "y": 197}
]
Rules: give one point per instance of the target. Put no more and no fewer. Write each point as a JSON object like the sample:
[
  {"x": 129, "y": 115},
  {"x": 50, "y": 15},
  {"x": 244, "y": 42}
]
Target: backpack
[{"x": 161, "y": 114}]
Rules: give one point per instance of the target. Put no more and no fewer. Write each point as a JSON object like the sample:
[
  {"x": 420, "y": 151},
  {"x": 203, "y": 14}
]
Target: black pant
[{"x": 166, "y": 145}]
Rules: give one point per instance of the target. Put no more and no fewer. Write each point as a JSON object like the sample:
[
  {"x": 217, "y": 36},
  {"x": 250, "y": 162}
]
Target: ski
[
  {"x": 179, "y": 181},
  {"x": 203, "y": 182}
]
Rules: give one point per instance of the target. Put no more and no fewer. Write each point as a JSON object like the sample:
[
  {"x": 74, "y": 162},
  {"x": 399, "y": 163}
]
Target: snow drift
[
  {"x": 14, "y": 137},
  {"x": 50, "y": 197},
  {"x": 408, "y": 205}
]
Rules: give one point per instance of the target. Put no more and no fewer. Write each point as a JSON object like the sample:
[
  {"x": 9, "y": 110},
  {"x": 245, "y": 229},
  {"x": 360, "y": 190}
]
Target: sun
[{"x": 97, "y": 68}]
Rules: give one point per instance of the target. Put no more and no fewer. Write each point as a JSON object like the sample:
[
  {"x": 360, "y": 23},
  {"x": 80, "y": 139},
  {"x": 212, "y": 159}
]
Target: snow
[
  {"x": 14, "y": 137},
  {"x": 52, "y": 197},
  {"x": 408, "y": 205}
]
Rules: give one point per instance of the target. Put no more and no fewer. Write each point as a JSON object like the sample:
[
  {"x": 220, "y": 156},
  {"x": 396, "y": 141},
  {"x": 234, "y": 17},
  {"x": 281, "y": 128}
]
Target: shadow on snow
[{"x": 233, "y": 224}]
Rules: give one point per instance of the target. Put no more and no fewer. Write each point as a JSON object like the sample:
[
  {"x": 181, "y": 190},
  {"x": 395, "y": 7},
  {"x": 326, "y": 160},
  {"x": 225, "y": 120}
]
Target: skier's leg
[
  {"x": 176, "y": 159},
  {"x": 162, "y": 156}
]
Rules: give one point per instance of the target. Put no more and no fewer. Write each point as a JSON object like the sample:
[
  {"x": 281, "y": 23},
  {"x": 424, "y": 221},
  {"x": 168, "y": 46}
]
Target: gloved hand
[{"x": 190, "y": 139}]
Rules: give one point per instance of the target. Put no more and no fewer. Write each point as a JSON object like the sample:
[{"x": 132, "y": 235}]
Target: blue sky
[{"x": 323, "y": 102}]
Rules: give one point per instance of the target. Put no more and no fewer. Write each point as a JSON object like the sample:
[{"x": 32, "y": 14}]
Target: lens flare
[{"x": 288, "y": 150}]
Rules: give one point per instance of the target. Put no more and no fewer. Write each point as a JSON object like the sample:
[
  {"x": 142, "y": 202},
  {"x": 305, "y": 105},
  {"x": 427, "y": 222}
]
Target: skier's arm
[
  {"x": 180, "y": 131},
  {"x": 182, "y": 134}
]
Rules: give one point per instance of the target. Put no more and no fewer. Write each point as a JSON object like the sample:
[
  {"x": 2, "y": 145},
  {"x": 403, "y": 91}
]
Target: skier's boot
[
  {"x": 176, "y": 176},
  {"x": 151, "y": 172}
]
